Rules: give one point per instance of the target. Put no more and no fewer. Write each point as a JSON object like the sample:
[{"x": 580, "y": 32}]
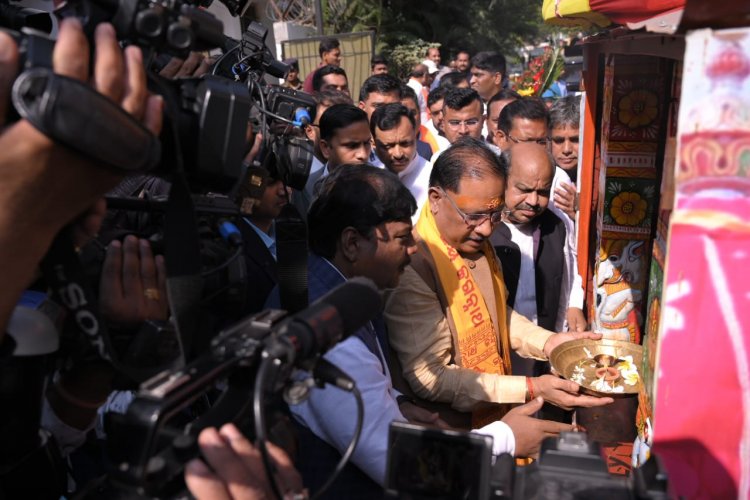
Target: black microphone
[{"x": 328, "y": 320}]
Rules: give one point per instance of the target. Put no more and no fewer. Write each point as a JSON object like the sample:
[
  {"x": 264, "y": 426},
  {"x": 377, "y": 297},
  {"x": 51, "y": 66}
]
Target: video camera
[
  {"x": 202, "y": 146},
  {"x": 426, "y": 463},
  {"x": 252, "y": 360},
  {"x": 205, "y": 133},
  {"x": 206, "y": 120}
]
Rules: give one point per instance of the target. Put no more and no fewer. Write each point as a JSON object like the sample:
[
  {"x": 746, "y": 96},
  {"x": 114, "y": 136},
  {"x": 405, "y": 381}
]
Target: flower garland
[{"x": 542, "y": 72}]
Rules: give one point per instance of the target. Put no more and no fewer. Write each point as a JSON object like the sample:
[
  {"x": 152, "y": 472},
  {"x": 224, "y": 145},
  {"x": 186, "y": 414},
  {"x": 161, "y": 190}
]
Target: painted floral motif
[
  {"x": 638, "y": 108},
  {"x": 628, "y": 208}
]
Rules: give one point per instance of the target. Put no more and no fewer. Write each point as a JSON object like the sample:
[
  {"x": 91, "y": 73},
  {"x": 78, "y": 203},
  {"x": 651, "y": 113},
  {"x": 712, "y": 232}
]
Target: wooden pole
[{"x": 590, "y": 165}]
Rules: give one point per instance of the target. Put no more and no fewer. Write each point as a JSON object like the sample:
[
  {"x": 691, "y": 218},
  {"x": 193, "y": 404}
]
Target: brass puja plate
[{"x": 601, "y": 367}]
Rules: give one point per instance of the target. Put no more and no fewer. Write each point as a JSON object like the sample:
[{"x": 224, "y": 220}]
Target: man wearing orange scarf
[{"x": 448, "y": 321}]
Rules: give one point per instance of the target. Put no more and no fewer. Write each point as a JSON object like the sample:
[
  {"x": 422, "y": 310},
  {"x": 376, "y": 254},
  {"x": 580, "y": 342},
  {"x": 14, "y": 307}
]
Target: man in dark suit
[
  {"x": 259, "y": 242},
  {"x": 531, "y": 243}
]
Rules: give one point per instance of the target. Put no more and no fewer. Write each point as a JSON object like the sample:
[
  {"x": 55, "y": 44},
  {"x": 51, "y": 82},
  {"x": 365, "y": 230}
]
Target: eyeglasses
[
  {"x": 541, "y": 141},
  {"x": 456, "y": 124},
  {"x": 474, "y": 220}
]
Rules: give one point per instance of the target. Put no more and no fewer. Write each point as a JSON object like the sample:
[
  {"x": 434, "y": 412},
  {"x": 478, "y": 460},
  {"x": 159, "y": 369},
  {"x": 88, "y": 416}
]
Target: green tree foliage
[
  {"x": 472, "y": 25},
  {"x": 349, "y": 16},
  {"x": 402, "y": 57}
]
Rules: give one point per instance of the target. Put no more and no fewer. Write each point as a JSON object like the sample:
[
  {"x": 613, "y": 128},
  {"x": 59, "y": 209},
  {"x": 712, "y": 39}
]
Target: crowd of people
[{"x": 452, "y": 193}]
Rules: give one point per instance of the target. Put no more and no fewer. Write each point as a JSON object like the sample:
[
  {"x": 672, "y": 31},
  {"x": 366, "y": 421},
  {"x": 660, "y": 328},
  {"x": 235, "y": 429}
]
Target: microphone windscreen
[{"x": 357, "y": 302}]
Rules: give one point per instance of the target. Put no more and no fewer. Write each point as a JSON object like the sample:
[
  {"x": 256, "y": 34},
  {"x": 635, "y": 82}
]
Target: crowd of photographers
[{"x": 400, "y": 184}]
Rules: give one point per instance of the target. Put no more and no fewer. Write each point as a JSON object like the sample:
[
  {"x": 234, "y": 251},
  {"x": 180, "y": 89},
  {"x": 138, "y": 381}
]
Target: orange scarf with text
[{"x": 477, "y": 341}]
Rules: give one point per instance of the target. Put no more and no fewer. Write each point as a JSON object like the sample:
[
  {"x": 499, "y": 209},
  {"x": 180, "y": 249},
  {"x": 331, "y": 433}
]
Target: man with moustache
[
  {"x": 360, "y": 225},
  {"x": 487, "y": 73},
  {"x": 564, "y": 122},
  {"x": 323, "y": 101},
  {"x": 532, "y": 246},
  {"x": 463, "y": 63},
  {"x": 377, "y": 91},
  {"x": 526, "y": 121},
  {"x": 448, "y": 320},
  {"x": 394, "y": 129},
  {"x": 378, "y": 65}
]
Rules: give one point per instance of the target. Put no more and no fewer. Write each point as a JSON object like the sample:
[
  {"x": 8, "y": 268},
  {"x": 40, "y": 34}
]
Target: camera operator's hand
[
  {"x": 62, "y": 182},
  {"x": 133, "y": 287},
  {"x": 529, "y": 432},
  {"x": 87, "y": 225},
  {"x": 236, "y": 469},
  {"x": 197, "y": 64},
  {"x": 564, "y": 393},
  {"x": 255, "y": 148},
  {"x": 46, "y": 185}
]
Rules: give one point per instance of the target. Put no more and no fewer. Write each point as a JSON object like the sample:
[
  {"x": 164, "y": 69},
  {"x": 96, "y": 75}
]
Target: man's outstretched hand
[{"x": 529, "y": 432}]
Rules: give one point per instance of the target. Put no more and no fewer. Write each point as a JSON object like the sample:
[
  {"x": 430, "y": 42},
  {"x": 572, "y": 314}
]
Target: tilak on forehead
[
  {"x": 490, "y": 204},
  {"x": 494, "y": 203}
]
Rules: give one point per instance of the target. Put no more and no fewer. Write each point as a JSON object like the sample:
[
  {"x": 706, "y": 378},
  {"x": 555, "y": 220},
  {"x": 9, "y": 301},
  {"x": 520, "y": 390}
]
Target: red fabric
[
  {"x": 632, "y": 11},
  {"x": 699, "y": 410},
  {"x": 617, "y": 456},
  {"x": 307, "y": 84}
]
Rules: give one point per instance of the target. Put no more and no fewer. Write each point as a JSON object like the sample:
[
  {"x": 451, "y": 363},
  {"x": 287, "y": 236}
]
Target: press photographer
[
  {"x": 43, "y": 182},
  {"x": 68, "y": 391}
]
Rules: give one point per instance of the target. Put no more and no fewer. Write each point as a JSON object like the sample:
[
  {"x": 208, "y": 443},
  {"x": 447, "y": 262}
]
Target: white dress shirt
[
  {"x": 416, "y": 178},
  {"x": 525, "y": 301},
  {"x": 575, "y": 282},
  {"x": 443, "y": 143},
  {"x": 417, "y": 88},
  {"x": 330, "y": 412}
]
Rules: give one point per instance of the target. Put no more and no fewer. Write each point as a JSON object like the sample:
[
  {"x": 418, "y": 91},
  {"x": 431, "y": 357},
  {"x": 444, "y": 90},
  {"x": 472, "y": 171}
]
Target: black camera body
[
  {"x": 279, "y": 113},
  {"x": 172, "y": 26},
  {"x": 150, "y": 444},
  {"x": 207, "y": 128},
  {"x": 251, "y": 362},
  {"x": 203, "y": 142},
  {"x": 571, "y": 467},
  {"x": 435, "y": 464}
]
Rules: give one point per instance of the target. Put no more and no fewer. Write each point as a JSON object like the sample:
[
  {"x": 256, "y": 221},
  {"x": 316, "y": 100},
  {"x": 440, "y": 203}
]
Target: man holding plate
[{"x": 448, "y": 321}]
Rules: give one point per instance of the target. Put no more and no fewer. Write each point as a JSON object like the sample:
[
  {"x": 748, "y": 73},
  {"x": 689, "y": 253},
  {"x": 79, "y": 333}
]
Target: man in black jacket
[
  {"x": 531, "y": 243},
  {"x": 259, "y": 242}
]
